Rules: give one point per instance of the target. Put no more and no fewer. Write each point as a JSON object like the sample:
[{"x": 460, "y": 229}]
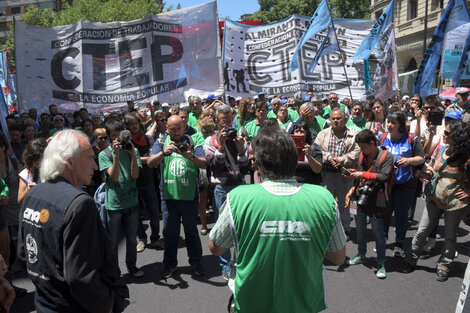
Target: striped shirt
[{"x": 224, "y": 235}]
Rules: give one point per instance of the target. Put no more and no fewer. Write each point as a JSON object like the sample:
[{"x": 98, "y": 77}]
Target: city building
[{"x": 410, "y": 24}]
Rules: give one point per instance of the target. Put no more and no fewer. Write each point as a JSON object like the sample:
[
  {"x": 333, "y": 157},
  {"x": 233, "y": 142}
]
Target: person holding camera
[
  {"x": 447, "y": 193},
  {"x": 228, "y": 160},
  {"x": 180, "y": 157},
  {"x": 369, "y": 195},
  {"x": 121, "y": 162}
]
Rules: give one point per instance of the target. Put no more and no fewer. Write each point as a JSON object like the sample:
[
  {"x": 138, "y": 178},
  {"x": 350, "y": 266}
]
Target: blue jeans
[
  {"x": 148, "y": 195},
  {"x": 378, "y": 230},
  {"x": 400, "y": 203},
  {"x": 185, "y": 211},
  {"x": 220, "y": 195},
  {"x": 127, "y": 220}
]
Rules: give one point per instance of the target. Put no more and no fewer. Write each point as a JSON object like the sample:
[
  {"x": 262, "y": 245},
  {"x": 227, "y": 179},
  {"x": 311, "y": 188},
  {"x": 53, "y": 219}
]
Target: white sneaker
[
  {"x": 398, "y": 251},
  {"x": 430, "y": 245},
  {"x": 140, "y": 246}
]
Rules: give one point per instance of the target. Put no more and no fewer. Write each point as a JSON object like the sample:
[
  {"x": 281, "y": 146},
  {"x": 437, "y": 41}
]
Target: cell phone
[
  {"x": 345, "y": 171},
  {"x": 435, "y": 118}
]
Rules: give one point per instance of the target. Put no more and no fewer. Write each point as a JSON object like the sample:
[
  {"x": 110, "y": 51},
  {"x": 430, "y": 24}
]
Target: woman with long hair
[
  {"x": 246, "y": 113},
  {"x": 377, "y": 122},
  {"x": 407, "y": 152},
  {"x": 447, "y": 193},
  {"x": 29, "y": 176}
]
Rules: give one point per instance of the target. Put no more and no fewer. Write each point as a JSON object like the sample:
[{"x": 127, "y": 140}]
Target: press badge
[{"x": 353, "y": 207}]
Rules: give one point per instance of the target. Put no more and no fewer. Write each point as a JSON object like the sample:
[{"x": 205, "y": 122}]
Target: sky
[{"x": 226, "y": 8}]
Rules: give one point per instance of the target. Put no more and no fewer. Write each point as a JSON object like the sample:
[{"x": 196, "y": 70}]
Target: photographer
[
  {"x": 121, "y": 163},
  {"x": 180, "y": 157},
  {"x": 227, "y": 156},
  {"x": 370, "y": 194}
]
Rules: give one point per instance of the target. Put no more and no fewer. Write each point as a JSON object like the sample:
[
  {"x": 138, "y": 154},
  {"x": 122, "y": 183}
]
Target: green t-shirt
[
  {"x": 293, "y": 115},
  {"x": 282, "y": 242},
  {"x": 247, "y": 120},
  {"x": 123, "y": 193},
  {"x": 192, "y": 119},
  {"x": 179, "y": 176},
  {"x": 317, "y": 126},
  {"x": 356, "y": 126},
  {"x": 327, "y": 110},
  {"x": 251, "y": 128}
]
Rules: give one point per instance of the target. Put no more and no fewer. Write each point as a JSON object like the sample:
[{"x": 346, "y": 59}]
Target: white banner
[
  {"x": 100, "y": 66},
  {"x": 256, "y": 59},
  {"x": 385, "y": 81}
]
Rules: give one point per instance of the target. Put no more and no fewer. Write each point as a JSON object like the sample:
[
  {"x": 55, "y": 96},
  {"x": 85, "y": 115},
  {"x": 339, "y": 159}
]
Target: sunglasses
[
  {"x": 103, "y": 137},
  {"x": 429, "y": 108},
  {"x": 446, "y": 133},
  {"x": 162, "y": 120}
]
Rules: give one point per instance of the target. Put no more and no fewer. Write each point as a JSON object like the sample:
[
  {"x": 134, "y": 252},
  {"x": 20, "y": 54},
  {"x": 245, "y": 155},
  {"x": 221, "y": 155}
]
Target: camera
[
  {"x": 125, "y": 139},
  {"x": 182, "y": 146},
  {"x": 231, "y": 133},
  {"x": 365, "y": 194}
]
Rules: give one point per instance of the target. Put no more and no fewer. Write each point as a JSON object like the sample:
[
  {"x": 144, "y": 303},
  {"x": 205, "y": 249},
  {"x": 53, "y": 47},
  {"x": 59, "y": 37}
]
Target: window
[
  {"x": 46, "y": 5},
  {"x": 411, "y": 65},
  {"x": 15, "y": 10},
  {"x": 412, "y": 9},
  {"x": 437, "y": 5},
  {"x": 3, "y": 27}
]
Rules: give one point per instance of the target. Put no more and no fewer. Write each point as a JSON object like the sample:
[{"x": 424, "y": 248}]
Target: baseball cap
[
  {"x": 165, "y": 105},
  {"x": 307, "y": 99},
  {"x": 261, "y": 93},
  {"x": 212, "y": 97},
  {"x": 283, "y": 101},
  {"x": 455, "y": 115},
  {"x": 405, "y": 97}
]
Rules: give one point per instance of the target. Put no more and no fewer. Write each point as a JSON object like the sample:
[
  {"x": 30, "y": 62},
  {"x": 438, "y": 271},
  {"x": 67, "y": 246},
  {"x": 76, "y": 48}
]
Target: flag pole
[{"x": 340, "y": 54}]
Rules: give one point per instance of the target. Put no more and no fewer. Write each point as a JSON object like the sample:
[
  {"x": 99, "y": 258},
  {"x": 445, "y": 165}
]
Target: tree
[
  {"x": 275, "y": 10},
  {"x": 86, "y": 10}
]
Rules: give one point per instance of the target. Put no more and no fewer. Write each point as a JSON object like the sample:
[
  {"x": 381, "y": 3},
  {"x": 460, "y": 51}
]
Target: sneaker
[
  {"x": 168, "y": 272},
  {"x": 157, "y": 244},
  {"x": 442, "y": 274},
  {"x": 430, "y": 245},
  {"x": 140, "y": 246},
  {"x": 398, "y": 251},
  {"x": 408, "y": 267},
  {"x": 198, "y": 269},
  {"x": 135, "y": 272},
  {"x": 359, "y": 259},
  {"x": 381, "y": 272}
]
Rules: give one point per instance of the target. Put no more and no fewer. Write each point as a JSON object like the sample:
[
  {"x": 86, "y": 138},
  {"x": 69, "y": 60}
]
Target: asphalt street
[{"x": 348, "y": 288}]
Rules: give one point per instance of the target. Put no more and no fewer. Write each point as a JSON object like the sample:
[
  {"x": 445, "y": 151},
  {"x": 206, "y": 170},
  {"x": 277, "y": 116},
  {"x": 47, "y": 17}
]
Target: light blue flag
[
  {"x": 462, "y": 61},
  {"x": 331, "y": 46},
  {"x": 455, "y": 14},
  {"x": 368, "y": 44},
  {"x": 320, "y": 20},
  {"x": 366, "y": 77}
]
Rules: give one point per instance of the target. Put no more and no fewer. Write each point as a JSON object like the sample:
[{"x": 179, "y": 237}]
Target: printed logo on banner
[
  {"x": 103, "y": 64},
  {"x": 256, "y": 59}
]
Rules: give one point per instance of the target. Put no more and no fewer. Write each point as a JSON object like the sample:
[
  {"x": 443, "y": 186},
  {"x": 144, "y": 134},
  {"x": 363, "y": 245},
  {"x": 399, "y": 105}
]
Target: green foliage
[
  {"x": 275, "y": 10},
  {"x": 86, "y": 10}
]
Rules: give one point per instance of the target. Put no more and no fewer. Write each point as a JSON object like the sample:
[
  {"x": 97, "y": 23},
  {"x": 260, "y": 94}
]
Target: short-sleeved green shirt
[
  {"x": 192, "y": 119},
  {"x": 123, "y": 193},
  {"x": 252, "y": 129}
]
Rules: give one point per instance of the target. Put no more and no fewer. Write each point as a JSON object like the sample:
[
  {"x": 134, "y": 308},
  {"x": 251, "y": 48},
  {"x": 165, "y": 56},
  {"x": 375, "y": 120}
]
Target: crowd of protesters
[{"x": 179, "y": 162}]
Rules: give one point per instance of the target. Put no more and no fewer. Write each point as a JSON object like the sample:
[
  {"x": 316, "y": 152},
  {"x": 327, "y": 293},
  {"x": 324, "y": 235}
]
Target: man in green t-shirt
[
  {"x": 333, "y": 104},
  {"x": 195, "y": 103},
  {"x": 250, "y": 130},
  {"x": 180, "y": 157},
  {"x": 357, "y": 118},
  {"x": 282, "y": 230},
  {"x": 121, "y": 163}
]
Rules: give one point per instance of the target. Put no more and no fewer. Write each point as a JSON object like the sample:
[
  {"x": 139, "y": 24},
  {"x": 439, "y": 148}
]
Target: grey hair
[
  {"x": 192, "y": 98},
  {"x": 223, "y": 109},
  {"x": 309, "y": 105},
  {"x": 63, "y": 146},
  {"x": 276, "y": 100},
  {"x": 338, "y": 109},
  {"x": 186, "y": 109}
]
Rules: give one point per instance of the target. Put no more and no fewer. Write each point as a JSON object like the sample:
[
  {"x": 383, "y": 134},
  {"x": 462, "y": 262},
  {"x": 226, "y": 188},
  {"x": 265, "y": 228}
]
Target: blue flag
[
  {"x": 368, "y": 44},
  {"x": 320, "y": 20},
  {"x": 366, "y": 74},
  {"x": 329, "y": 45},
  {"x": 455, "y": 14},
  {"x": 462, "y": 61}
]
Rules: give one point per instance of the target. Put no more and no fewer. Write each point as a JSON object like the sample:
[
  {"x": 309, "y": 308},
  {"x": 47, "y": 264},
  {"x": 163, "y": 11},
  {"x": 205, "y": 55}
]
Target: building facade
[{"x": 409, "y": 26}]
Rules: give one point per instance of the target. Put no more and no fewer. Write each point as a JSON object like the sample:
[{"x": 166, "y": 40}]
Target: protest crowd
[{"x": 180, "y": 163}]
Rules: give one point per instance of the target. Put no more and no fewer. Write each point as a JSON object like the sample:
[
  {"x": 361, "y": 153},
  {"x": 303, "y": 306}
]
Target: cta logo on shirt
[{"x": 286, "y": 230}]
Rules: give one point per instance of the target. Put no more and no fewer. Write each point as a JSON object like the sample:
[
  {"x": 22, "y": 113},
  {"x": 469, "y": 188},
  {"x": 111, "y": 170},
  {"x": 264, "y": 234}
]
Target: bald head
[{"x": 175, "y": 127}]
